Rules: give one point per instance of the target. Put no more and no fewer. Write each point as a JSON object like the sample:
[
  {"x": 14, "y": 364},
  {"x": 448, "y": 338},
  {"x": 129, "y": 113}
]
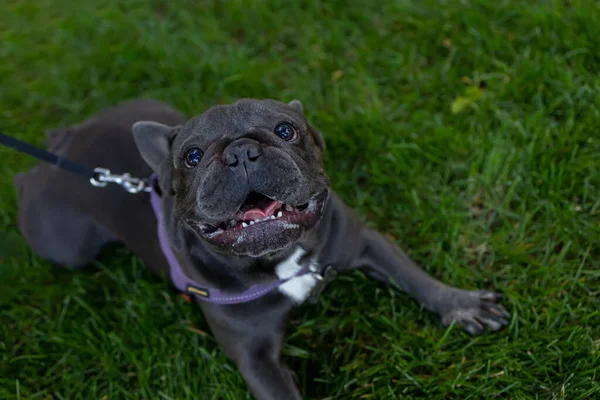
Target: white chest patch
[{"x": 299, "y": 288}]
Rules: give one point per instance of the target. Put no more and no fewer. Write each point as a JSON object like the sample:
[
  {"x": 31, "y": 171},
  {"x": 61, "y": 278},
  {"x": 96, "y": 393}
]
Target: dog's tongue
[{"x": 259, "y": 213}]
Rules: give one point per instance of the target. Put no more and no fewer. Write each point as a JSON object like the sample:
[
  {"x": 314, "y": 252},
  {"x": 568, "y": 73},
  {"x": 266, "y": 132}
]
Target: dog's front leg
[
  {"x": 252, "y": 335},
  {"x": 475, "y": 310}
]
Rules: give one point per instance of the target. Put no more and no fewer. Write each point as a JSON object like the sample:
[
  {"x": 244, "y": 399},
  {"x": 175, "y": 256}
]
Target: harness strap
[{"x": 190, "y": 287}]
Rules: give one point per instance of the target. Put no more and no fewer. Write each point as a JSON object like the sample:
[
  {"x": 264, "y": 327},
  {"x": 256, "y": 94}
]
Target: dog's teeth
[
  {"x": 251, "y": 222},
  {"x": 288, "y": 207},
  {"x": 244, "y": 224},
  {"x": 279, "y": 214},
  {"x": 272, "y": 217},
  {"x": 219, "y": 231},
  {"x": 232, "y": 223}
]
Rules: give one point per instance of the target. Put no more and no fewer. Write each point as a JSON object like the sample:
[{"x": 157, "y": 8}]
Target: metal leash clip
[{"x": 103, "y": 177}]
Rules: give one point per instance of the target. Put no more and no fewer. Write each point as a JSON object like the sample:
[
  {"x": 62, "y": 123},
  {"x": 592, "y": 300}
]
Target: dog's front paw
[{"x": 476, "y": 311}]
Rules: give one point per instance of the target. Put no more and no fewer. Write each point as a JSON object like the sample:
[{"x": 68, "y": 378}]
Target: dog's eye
[
  {"x": 192, "y": 157},
  {"x": 285, "y": 131}
]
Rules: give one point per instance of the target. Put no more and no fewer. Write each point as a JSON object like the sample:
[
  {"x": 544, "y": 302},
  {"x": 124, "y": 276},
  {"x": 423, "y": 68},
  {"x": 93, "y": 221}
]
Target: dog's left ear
[
  {"x": 297, "y": 104},
  {"x": 316, "y": 135},
  {"x": 153, "y": 140}
]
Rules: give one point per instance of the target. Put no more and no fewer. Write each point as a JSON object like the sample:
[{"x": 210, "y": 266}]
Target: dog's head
[{"x": 247, "y": 178}]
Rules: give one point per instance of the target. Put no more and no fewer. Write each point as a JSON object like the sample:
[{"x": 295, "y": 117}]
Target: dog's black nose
[{"x": 241, "y": 151}]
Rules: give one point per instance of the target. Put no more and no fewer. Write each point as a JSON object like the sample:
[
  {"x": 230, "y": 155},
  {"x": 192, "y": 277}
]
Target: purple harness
[{"x": 189, "y": 286}]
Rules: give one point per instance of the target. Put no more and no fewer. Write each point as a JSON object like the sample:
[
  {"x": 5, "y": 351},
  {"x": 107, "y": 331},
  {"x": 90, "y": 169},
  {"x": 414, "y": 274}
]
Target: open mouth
[
  {"x": 256, "y": 209},
  {"x": 263, "y": 220}
]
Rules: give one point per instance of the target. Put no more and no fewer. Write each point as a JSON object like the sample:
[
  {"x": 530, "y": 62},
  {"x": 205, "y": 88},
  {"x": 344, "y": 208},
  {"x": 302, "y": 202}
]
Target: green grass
[{"x": 467, "y": 130}]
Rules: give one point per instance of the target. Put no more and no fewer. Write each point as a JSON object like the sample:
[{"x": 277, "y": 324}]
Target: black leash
[
  {"x": 99, "y": 177},
  {"x": 46, "y": 156}
]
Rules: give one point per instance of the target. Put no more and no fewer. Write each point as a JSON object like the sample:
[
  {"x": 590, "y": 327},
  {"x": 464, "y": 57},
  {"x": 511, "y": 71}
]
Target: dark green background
[{"x": 466, "y": 130}]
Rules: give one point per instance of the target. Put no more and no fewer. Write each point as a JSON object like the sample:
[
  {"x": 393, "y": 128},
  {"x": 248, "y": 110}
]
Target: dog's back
[{"x": 61, "y": 215}]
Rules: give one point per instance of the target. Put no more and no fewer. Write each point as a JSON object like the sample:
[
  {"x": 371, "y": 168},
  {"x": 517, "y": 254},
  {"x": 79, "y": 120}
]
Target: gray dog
[{"x": 242, "y": 218}]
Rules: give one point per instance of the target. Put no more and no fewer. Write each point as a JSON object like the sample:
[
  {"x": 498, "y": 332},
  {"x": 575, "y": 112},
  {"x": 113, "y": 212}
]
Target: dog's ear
[
  {"x": 153, "y": 140},
  {"x": 297, "y": 104},
  {"x": 317, "y": 137}
]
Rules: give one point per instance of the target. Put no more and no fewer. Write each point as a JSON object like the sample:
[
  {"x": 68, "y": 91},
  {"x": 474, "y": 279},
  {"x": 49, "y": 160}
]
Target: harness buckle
[{"x": 327, "y": 275}]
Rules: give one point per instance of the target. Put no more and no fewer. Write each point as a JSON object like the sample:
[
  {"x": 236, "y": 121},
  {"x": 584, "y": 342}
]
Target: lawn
[{"x": 468, "y": 131}]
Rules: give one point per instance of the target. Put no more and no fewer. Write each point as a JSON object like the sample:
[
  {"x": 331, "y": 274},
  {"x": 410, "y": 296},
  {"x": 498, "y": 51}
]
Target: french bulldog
[{"x": 244, "y": 200}]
